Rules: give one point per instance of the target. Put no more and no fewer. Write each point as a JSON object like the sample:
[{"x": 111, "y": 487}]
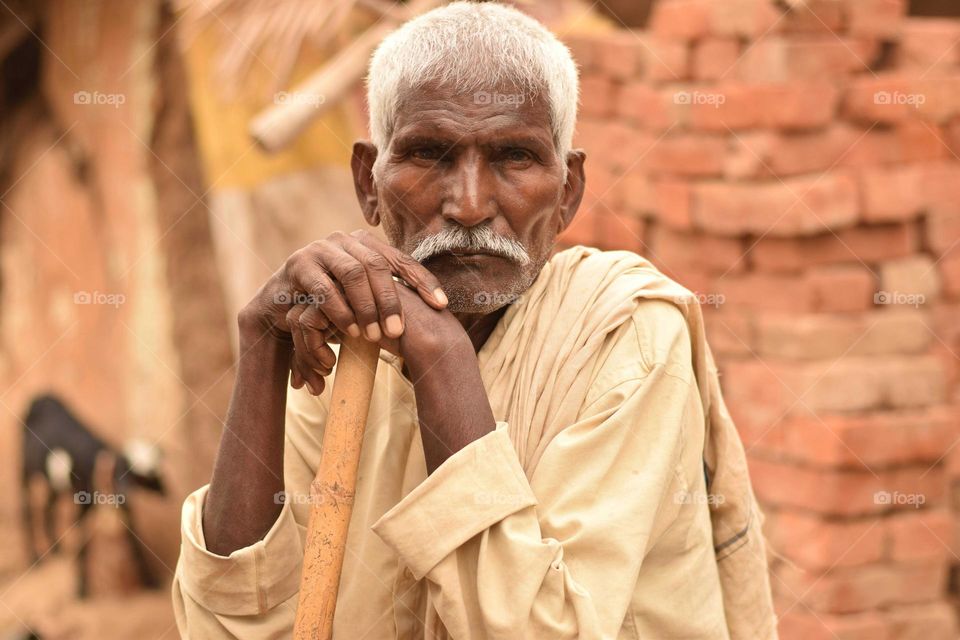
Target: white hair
[{"x": 473, "y": 47}]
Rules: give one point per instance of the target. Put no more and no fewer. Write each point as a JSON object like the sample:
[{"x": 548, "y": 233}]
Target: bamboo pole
[{"x": 333, "y": 489}]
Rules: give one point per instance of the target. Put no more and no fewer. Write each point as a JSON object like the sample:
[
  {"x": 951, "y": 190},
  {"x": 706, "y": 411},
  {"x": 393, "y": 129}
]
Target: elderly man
[{"x": 547, "y": 453}]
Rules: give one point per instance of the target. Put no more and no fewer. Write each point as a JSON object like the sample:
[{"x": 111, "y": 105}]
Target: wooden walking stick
[{"x": 332, "y": 491}]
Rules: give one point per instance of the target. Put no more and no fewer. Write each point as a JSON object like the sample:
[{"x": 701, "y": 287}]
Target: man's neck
[{"x": 479, "y": 326}]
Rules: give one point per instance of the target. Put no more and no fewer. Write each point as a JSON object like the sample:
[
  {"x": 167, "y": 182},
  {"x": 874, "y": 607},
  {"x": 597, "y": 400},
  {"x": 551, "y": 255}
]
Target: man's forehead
[{"x": 434, "y": 110}]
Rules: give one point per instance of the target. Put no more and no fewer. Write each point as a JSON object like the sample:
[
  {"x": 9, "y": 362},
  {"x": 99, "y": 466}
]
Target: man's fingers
[
  {"x": 307, "y": 365},
  {"x": 381, "y": 282},
  {"x": 351, "y": 275},
  {"x": 414, "y": 273},
  {"x": 312, "y": 278},
  {"x": 314, "y": 328}
]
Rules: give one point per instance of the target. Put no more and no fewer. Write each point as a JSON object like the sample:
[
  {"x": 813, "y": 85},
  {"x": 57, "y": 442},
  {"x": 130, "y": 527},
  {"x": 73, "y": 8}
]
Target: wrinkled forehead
[{"x": 498, "y": 110}]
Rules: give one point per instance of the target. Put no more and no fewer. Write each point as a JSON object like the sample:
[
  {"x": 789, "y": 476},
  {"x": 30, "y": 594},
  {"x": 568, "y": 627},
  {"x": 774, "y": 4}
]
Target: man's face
[{"x": 472, "y": 186}]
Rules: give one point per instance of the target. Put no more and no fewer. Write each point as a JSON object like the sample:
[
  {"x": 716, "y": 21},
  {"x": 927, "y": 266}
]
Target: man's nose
[{"x": 470, "y": 192}]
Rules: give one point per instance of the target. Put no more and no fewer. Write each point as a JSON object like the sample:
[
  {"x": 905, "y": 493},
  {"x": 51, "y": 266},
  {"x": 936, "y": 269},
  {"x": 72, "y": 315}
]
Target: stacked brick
[{"x": 797, "y": 165}]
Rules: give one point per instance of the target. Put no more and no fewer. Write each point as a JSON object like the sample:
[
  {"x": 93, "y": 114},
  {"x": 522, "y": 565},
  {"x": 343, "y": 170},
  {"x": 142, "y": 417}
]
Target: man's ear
[
  {"x": 573, "y": 189},
  {"x": 361, "y": 162}
]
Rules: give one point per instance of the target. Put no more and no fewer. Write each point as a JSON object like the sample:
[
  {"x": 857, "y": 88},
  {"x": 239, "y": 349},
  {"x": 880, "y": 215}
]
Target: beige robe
[{"x": 585, "y": 514}]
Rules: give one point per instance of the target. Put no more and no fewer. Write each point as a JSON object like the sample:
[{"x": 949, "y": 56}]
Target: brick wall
[{"x": 799, "y": 170}]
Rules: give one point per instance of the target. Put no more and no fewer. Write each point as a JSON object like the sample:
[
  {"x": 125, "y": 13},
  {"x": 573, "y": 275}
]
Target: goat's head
[{"x": 140, "y": 466}]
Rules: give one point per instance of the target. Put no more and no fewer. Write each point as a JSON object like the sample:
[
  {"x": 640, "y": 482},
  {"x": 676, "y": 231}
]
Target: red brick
[
  {"x": 949, "y": 267},
  {"x": 678, "y": 252},
  {"x": 797, "y": 105},
  {"x": 778, "y": 59},
  {"x": 859, "y": 244},
  {"x": 797, "y": 206},
  {"x": 749, "y": 18},
  {"x": 663, "y": 59},
  {"x": 621, "y": 231},
  {"x": 929, "y": 45},
  {"x": 882, "y": 18},
  {"x": 863, "y": 442},
  {"x": 909, "y": 281},
  {"x": 597, "y": 96},
  {"x": 921, "y": 535},
  {"x": 583, "y": 49},
  {"x": 635, "y": 192},
  {"x": 892, "y": 98},
  {"x": 817, "y": 543},
  {"x": 893, "y": 194},
  {"x": 942, "y": 231},
  {"x": 919, "y": 622},
  {"x": 799, "y": 624},
  {"x": 857, "y": 589},
  {"x": 639, "y": 103},
  {"x": 826, "y": 335},
  {"x": 814, "y": 16},
  {"x": 687, "y": 155},
  {"x": 730, "y": 331},
  {"x": 713, "y": 58},
  {"x": 673, "y": 203},
  {"x": 747, "y": 155},
  {"x": 766, "y": 292},
  {"x": 807, "y": 152},
  {"x": 618, "y": 54},
  {"x": 683, "y": 19},
  {"x": 583, "y": 229},
  {"x": 842, "y": 288}
]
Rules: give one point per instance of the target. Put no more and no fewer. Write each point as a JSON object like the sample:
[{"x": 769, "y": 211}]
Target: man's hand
[{"x": 344, "y": 284}]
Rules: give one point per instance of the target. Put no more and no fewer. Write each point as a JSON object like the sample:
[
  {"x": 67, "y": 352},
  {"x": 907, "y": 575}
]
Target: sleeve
[
  {"x": 557, "y": 556},
  {"x": 252, "y": 593}
]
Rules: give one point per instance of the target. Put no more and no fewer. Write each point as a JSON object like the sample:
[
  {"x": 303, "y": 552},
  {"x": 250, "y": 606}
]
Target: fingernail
[
  {"x": 310, "y": 386},
  {"x": 394, "y": 325},
  {"x": 440, "y": 296},
  {"x": 354, "y": 330},
  {"x": 373, "y": 332}
]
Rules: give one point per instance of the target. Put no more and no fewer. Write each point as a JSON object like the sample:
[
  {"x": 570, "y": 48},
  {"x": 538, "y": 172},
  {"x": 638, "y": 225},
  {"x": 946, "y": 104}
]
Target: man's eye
[
  {"x": 427, "y": 153},
  {"x": 517, "y": 155}
]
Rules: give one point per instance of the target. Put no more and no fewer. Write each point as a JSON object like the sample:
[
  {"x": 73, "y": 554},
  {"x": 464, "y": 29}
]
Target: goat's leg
[
  {"x": 29, "y": 526},
  {"x": 143, "y": 569}
]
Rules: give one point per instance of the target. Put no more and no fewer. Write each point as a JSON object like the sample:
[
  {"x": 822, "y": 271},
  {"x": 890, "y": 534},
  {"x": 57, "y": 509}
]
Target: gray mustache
[{"x": 459, "y": 238}]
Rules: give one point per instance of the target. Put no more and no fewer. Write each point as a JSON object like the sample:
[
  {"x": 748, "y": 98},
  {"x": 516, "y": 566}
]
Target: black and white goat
[{"x": 64, "y": 452}]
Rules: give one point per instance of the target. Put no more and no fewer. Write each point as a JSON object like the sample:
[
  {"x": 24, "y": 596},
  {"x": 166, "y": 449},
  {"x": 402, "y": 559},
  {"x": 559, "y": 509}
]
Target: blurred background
[{"x": 793, "y": 162}]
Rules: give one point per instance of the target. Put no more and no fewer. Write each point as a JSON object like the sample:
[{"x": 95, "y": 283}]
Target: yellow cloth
[{"x": 585, "y": 514}]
